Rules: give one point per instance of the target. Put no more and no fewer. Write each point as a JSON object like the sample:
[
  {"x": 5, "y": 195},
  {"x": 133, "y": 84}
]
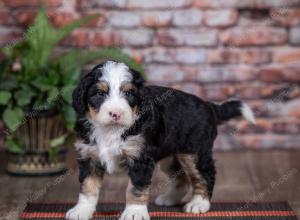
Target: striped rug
[{"x": 218, "y": 211}]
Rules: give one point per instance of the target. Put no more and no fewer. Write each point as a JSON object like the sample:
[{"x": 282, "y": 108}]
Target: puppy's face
[{"x": 112, "y": 95}]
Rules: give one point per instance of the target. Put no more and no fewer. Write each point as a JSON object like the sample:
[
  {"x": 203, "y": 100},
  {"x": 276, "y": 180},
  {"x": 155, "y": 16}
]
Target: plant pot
[{"x": 35, "y": 134}]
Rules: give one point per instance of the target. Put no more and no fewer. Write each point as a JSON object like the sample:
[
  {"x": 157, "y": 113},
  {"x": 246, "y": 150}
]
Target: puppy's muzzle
[{"x": 116, "y": 115}]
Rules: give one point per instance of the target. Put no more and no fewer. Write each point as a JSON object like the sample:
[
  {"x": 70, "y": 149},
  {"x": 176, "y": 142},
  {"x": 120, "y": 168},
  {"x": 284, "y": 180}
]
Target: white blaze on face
[{"x": 115, "y": 75}]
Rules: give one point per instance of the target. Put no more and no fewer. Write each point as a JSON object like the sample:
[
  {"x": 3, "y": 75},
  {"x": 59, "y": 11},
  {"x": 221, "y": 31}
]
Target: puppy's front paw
[
  {"x": 197, "y": 205},
  {"x": 135, "y": 212},
  {"x": 80, "y": 212}
]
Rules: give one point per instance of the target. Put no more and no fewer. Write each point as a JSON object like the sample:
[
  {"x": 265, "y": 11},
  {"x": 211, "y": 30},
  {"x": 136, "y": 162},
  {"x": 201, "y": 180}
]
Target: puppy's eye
[
  {"x": 101, "y": 93},
  {"x": 127, "y": 93}
]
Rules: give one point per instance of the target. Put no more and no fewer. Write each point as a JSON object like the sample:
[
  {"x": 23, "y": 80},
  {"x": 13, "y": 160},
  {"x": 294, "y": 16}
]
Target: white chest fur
[{"x": 110, "y": 149}]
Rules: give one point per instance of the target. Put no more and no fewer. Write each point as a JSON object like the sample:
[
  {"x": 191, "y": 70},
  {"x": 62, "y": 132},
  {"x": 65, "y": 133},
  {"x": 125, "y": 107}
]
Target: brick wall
[{"x": 216, "y": 49}]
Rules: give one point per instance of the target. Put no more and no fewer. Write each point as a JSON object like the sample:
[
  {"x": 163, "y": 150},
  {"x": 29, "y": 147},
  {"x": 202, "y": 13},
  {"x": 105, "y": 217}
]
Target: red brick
[
  {"x": 99, "y": 21},
  {"x": 280, "y": 125},
  {"x": 156, "y": 18},
  {"x": 10, "y": 36},
  {"x": 122, "y": 38},
  {"x": 254, "y": 36},
  {"x": 276, "y": 3},
  {"x": 102, "y": 4},
  {"x": 286, "y": 126},
  {"x": 286, "y": 55},
  {"x": 221, "y": 18},
  {"x": 77, "y": 39},
  {"x": 5, "y": 17},
  {"x": 138, "y": 56},
  {"x": 25, "y": 17},
  {"x": 190, "y": 55},
  {"x": 280, "y": 73},
  {"x": 166, "y": 4},
  {"x": 291, "y": 73},
  {"x": 228, "y": 74},
  {"x": 190, "y": 17},
  {"x": 178, "y": 55},
  {"x": 257, "y": 90},
  {"x": 223, "y": 56},
  {"x": 137, "y": 37},
  {"x": 31, "y": 3},
  {"x": 271, "y": 74},
  {"x": 104, "y": 38},
  {"x": 159, "y": 55},
  {"x": 124, "y": 19},
  {"x": 294, "y": 36},
  {"x": 60, "y": 19},
  {"x": 285, "y": 16},
  {"x": 291, "y": 109},
  {"x": 262, "y": 126},
  {"x": 222, "y": 3},
  {"x": 175, "y": 37},
  {"x": 169, "y": 73},
  {"x": 218, "y": 92},
  {"x": 256, "y": 56},
  {"x": 191, "y": 88}
]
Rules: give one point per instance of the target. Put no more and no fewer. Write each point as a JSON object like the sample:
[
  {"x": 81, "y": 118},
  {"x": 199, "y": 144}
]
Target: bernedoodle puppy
[{"x": 123, "y": 125}]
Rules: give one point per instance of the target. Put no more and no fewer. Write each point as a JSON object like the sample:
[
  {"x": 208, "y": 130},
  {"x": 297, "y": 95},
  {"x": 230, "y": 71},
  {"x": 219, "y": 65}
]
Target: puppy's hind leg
[
  {"x": 202, "y": 176},
  {"x": 176, "y": 187}
]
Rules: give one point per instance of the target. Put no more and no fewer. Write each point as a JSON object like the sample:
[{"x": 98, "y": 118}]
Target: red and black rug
[{"x": 219, "y": 211}]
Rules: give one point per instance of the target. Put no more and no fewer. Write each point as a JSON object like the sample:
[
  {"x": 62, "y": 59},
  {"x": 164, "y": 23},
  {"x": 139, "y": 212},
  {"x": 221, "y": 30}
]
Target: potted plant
[{"x": 36, "y": 88}]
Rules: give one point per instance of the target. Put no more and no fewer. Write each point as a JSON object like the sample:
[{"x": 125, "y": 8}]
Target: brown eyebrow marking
[
  {"x": 102, "y": 86},
  {"x": 127, "y": 87}
]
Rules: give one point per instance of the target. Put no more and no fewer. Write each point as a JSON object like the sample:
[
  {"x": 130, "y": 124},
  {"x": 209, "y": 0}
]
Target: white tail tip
[{"x": 248, "y": 113}]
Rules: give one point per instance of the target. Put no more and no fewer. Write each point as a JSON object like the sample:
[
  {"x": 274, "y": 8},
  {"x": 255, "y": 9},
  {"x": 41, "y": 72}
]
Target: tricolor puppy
[{"x": 124, "y": 125}]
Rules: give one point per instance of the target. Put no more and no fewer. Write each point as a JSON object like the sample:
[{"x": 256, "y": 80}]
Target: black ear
[
  {"x": 138, "y": 79},
  {"x": 80, "y": 93}
]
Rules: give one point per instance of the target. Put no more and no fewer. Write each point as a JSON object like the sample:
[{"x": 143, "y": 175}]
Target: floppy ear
[
  {"x": 138, "y": 79},
  {"x": 79, "y": 94}
]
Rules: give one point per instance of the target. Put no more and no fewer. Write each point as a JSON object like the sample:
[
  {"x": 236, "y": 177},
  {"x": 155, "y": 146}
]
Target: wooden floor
[{"x": 242, "y": 176}]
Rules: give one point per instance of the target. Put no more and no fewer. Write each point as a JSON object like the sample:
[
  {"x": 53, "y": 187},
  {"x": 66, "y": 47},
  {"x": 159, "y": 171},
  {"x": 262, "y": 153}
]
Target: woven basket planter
[{"x": 35, "y": 134}]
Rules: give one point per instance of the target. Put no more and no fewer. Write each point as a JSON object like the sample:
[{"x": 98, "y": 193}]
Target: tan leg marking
[
  {"x": 188, "y": 163},
  {"x": 137, "y": 196},
  {"x": 177, "y": 185},
  {"x": 175, "y": 173},
  {"x": 88, "y": 197},
  {"x": 91, "y": 185}
]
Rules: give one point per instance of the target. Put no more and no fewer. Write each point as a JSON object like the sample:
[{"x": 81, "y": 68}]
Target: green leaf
[
  {"x": 53, "y": 153},
  {"x": 24, "y": 95},
  {"x": 58, "y": 141},
  {"x": 9, "y": 84},
  {"x": 67, "y": 93},
  {"x": 71, "y": 76},
  {"x": 53, "y": 77},
  {"x": 42, "y": 83},
  {"x": 4, "y": 97},
  {"x": 7, "y": 51},
  {"x": 13, "y": 145},
  {"x": 4, "y": 65},
  {"x": 53, "y": 95},
  {"x": 42, "y": 103},
  {"x": 13, "y": 118},
  {"x": 69, "y": 116}
]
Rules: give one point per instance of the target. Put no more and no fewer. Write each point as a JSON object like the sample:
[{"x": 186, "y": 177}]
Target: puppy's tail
[{"x": 233, "y": 109}]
